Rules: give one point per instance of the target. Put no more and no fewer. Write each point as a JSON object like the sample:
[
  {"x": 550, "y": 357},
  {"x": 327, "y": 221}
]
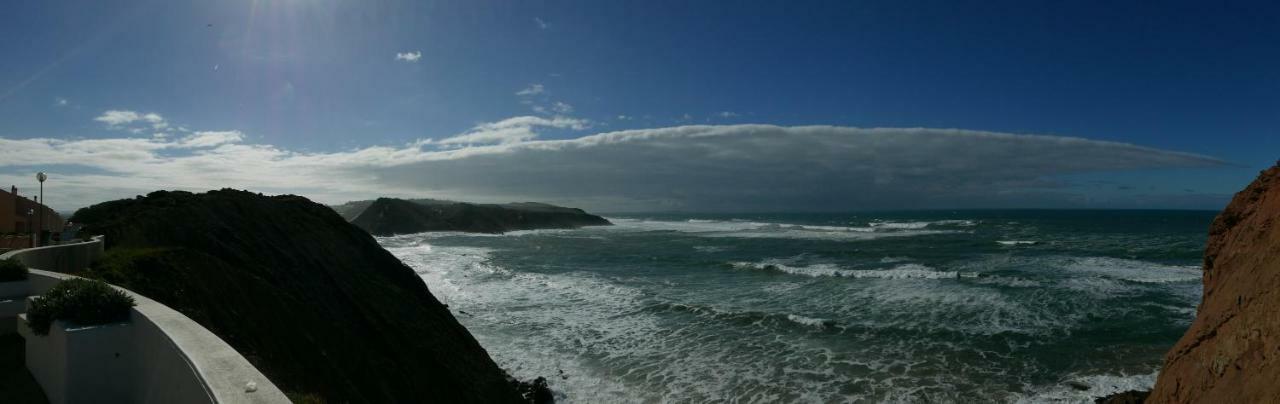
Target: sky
[{"x": 646, "y": 105}]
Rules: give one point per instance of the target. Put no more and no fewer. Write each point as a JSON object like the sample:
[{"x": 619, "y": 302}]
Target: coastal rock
[
  {"x": 1128, "y": 397},
  {"x": 390, "y": 216},
  {"x": 1231, "y": 353},
  {"x": 312, "y": 301}
]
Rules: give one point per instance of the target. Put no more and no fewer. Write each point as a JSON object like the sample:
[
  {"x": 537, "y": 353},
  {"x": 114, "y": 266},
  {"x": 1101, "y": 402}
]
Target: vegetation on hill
[
  {"x": 388, "y": 216},
  {"x": 312, "y": 301},
  {"x": 12, "y": 270}
]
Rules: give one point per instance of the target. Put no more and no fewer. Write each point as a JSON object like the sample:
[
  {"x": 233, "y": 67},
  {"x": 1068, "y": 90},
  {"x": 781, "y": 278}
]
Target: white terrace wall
[
  {"x": 63, "y": 258},
  {"x": 175, "y": 360}
]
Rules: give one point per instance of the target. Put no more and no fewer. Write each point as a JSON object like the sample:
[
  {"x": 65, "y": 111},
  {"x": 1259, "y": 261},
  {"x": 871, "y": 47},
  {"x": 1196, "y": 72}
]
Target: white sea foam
[
  {"x": 1069, "y": 391},
  {"x": 904, "y": 271},
  {"x": 710, "y": 248},
  {"x": 1132, "y": 270},
  {"x": 1017, "y": 242},
  {"x": 881, "y": 224},
  {"x": 953, "y": 306},
  {"x": 595, "y": 342},
  {"x": 810, "y": 321},
  {"x": 1010, "y": 281},
  {"x": 750, "y": 229},
  {"x": 597, "y": 339}
]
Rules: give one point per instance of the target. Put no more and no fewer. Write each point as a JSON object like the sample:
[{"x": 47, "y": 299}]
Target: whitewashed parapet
[
  {"x": 174, "y": 359},
  {"x": 61, "y": 258}
]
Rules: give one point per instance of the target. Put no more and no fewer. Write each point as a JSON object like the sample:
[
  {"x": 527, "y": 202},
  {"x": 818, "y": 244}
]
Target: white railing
[{"x": 164, "y": 357}]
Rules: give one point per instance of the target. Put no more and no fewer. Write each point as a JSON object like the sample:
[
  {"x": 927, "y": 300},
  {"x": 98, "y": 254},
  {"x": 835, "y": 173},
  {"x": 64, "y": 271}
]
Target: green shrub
[
  {"x": 12, "y": 270},
  {"x": 79, "y": 301}
]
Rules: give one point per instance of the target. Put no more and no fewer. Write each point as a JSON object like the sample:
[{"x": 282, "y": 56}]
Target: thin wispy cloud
[
  {"x": 61, "y": 102},
  {"x": 727, "y": 114},
  {"x": 531, "y": 90},
  {"x": 411, "y": 57},
  {"x": 541, "y": 24},
  {"x": 561, "y": 107}
]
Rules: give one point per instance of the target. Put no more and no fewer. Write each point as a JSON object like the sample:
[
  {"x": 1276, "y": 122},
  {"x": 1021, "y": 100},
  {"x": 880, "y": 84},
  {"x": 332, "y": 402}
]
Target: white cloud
[
  {"x": 61, "y": 102},
  {"x": 513, "y": 130},
  {"x": 119, "y": 119},
  {"x": 411, "y": 57},
  {"x": 624, "y": 117},
  {"x": 532, "y": 89},
  {"x": 541, "y": 24},
  {"x": 727, "y": 114},
  {"x": 696, "y": 167},
  {"x": 211, "y": 139}
]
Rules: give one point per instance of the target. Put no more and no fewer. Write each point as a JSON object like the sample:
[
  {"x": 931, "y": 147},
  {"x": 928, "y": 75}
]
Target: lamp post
[
  {"x": 41, "y": 177},
  {"x": 31, "y": 218}
]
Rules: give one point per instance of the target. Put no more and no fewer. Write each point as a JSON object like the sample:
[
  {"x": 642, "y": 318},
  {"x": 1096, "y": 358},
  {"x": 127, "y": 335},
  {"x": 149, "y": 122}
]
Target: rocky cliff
[
  {"x": 1231, "y": 353},
  {"x": 388, "y": 216},
  {"x": 312, "y": 301}
]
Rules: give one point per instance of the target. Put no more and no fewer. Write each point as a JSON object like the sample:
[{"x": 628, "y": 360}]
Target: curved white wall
[{"x": 174, "y": 359}]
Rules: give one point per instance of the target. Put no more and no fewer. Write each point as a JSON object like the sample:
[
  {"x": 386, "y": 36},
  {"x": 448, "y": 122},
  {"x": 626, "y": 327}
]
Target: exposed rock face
[
  {"x": 389, "y": 216},
  {"x": 1127, "y": 397},
  {"x": 1231, "y": 353},
  {"x": 312, "y": 301}
]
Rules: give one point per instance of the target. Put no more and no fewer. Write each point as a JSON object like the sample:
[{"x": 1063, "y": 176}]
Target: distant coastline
[{"x": 391, "y": 216}]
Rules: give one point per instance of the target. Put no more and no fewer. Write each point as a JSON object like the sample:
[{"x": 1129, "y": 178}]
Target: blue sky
[{"x": 279, "y": 81}]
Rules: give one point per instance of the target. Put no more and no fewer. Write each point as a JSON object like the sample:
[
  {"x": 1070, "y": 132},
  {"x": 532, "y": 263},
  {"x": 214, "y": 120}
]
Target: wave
[
  {"x": 750, "y": 229},
  {"x": 881, "y": 224},
  {"x": 707, "y": 226},
  {"x": 904, "y": 271},
  {"x": 1017, "y": 242},
  {"x": 1087, "y": 388},
  {"x": 819, "y": 323},
  {"x": 756, "y": 318},
  {"x": 1133, "y": 270}
]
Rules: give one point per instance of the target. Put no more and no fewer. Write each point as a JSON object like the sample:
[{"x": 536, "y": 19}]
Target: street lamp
[
  {"x": 31, "y": 218},
  {"x": 41, "y": 177}
]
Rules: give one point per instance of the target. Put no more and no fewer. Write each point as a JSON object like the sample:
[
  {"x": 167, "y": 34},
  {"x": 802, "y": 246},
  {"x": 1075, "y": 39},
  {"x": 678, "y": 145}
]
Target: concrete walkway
[{"x": 16, "y": 384}]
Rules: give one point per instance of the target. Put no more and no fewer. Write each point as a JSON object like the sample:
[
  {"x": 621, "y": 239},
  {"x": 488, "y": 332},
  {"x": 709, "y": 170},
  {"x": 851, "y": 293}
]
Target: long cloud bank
[{"x": 738, "y": 167}]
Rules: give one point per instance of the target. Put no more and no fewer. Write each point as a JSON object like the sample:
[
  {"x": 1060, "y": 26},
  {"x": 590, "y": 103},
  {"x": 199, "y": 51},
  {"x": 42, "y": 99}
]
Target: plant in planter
[
  {"x": 79, "y": 301},
  {"x": 12, "y": 270},
  {"x": 79, "y": 342}
]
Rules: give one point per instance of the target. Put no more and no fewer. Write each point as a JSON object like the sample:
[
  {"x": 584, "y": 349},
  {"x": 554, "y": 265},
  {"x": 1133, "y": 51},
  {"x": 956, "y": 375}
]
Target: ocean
[{"x": 946, "y": 306}]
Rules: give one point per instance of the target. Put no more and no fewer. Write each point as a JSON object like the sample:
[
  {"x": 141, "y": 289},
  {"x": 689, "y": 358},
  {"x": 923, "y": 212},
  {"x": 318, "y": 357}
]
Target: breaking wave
[{"x": 904, "y": 271}]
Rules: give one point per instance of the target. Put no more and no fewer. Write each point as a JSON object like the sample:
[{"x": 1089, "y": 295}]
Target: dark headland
[
  {"x": 1231, "y": 352},
  {"x": 311, "y": 300},
  {"x": 390, "y": 216}
]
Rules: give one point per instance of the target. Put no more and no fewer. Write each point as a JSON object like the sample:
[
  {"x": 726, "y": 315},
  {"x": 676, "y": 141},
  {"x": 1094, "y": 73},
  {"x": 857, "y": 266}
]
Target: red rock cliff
[{"x": 1231, "y": 353}]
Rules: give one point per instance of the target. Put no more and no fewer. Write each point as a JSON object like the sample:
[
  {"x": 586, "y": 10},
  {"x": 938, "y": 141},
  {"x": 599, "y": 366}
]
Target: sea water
[{"x": 963, "y": 306}]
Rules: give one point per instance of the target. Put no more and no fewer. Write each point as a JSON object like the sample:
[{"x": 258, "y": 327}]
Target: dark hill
[
  {"x": 312, "y": 301},
  {"x": 388, "y": 216}
]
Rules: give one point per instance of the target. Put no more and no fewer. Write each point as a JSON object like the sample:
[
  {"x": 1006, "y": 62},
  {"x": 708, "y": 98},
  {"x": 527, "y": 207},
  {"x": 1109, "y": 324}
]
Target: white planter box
[
  {"x": 16, "y": 289},
  {"x": 75, "y": 364}
]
